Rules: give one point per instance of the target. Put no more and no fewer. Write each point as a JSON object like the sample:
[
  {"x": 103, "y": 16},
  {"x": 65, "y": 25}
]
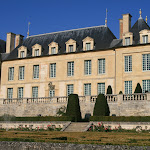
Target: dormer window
[
  {"x": 36, "y": 50},
  {"x": 88, "y": 43},
  {"x": 70, "y": 48},
  {"x": 145, "y": 39},
  {"x": 127, "y": 41},
  {"x": 53, "y": 48},
  {"x": 88, "y": 46},
  {"x": 22, "y": 52}
]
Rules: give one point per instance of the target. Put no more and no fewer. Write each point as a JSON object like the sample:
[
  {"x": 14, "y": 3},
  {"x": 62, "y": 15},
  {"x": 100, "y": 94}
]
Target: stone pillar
[
  {"x": 19, "y": 39},
  {"x": 54, "y": 100},
  {"x": 10, "y": 42},
  {"x": 148, "y": 96},
  {"x": 119, "y": 99}
]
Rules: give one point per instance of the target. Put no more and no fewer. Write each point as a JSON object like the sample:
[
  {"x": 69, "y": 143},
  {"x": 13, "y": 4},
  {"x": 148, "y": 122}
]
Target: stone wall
[{"x": 120, "y": 105}]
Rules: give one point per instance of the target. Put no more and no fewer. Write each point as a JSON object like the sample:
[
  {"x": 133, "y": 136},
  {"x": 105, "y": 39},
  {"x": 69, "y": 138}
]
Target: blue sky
[{"x": 57, "y": 15}]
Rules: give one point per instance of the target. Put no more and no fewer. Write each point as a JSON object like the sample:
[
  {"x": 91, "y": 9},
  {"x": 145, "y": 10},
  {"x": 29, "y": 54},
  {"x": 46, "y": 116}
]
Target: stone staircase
[{"x": 77, "y": 127}]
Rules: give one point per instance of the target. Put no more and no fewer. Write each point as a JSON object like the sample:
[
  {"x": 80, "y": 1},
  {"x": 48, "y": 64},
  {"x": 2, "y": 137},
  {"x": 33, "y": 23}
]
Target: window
[
  {"x": 69, "y": 89},
  {"x": 35, "y": 92},
  {"x": 101, "y": 66},
  {"x": 36, "y": 52},
  {"x": 22, "y": 54},
  {"x": 127, "y": 41},
  {"x": 146, "y": 86},
  {"x": 145, "y": 38},
  {"x": 87, "y": 67},
  {"x": 70, "y": 69},
  {"x": 88, "y": 46},
  {"x": 36, "y": 71},
  {"x": 101, "y": 88},
  {"x": 146, "y": 62},
  {"x": 51, "y": 93},
  {"x": 11, "y": 73},
  {"x": 128, "y": 87},
  {"x": 70, "y": 48},
  {"x": 10, "y": 93},
  {"x": 53, "y": 50},
  {"x": 20, "y": 92},
  {"x": 128, "y": 63},
  {"x": 53, "y": 70},
  {"x": 21, "y": 73},
  {"x": 87, "y": 89}
]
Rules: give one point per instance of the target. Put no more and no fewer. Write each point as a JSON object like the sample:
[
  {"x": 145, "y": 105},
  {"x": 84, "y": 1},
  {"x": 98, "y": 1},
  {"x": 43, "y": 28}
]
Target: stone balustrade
[{"x": 109, "y": 97}]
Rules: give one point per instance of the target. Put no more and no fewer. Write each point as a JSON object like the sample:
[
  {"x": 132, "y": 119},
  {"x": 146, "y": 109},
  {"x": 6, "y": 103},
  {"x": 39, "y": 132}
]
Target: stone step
[{"x": 77, "y": 127}]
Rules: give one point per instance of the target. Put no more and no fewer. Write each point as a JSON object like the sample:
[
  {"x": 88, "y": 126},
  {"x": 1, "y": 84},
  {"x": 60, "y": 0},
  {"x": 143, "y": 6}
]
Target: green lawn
[{"x": 101, "y": 138}]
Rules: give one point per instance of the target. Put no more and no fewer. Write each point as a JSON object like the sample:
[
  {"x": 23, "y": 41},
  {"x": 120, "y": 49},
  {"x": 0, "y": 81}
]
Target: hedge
[
  {"x": 47, "y": 118},
  {"x": 121, "y": 118}
]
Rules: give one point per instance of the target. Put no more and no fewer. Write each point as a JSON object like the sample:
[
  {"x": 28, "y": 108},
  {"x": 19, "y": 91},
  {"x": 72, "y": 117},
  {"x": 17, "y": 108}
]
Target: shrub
[
  {"x": 120, "y": 92},
  {"x": 101, "y": 107},
  {"x": 61, "y": 111},
  {"x": 73, "y": 107},
  {"x": 109, "y": 90},
  {"x": 138, "y": 88}
]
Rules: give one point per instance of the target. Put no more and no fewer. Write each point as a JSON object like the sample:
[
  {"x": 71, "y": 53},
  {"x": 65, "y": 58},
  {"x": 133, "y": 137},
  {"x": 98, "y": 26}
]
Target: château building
[{"x": 81, "y": 61}]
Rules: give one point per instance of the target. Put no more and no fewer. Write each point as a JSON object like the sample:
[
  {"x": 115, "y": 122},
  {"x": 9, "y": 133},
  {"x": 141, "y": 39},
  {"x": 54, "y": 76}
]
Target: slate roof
[
  {"x": 103, "y": 39},
  {"x": 137, "y": 27},
  {"x": 2, "y": 46}
]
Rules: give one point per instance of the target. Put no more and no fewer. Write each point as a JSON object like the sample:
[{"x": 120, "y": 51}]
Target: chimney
[
  {"x": 19, "y": 39},
  {"x": 125, "y": 24},
  {"x": 121, "y": 27},
  {"x": 10, "y": 42}
]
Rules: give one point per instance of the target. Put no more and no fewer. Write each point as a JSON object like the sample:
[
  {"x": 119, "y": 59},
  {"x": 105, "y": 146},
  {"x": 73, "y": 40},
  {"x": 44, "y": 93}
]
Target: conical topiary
[
  {"x": 101, "y": 107},
  {"x": 73, "y": 107},
  {"x": 138, "y": 88},
  {"x": 109, "y": 90}
]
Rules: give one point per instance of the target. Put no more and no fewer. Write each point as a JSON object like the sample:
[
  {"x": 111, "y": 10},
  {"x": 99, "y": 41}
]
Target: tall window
[
  {"x": 128, "y": 87},
  {"x": 70, "y": 89},
  {"x": 70, "y": 48},
  {"x": 87, "y": 89},
  {"x": 101, "y": 66},
  {"x": 88, "y": 46},
  {"x": 53, "y": 50},
  {"x": 36, "y": 71},
  {"x": 146, "y": 62},
  {"x": 22, "y": 54},
  {"x": 127, "y": 41},
  {"x": 87, "y": 67},
  {"x": 35, "y": 92},
  {"x": 51, "y": 93},
  {"x": 36, "y": 52},
  {"x": 146, "y": 85},
  {"x": 20, "y": 92},
  {"x": 11, "y": 73},
  {"x": 128, "y": 63},
  {"x": 70, "y": 68},
  {"x": 53, "y": 70},
  {"x": 10, "y": 93},
  {"x": 145, "y": 38},
  {"x": 101, "y": 88},
  {"x": 21, "y": 73}
]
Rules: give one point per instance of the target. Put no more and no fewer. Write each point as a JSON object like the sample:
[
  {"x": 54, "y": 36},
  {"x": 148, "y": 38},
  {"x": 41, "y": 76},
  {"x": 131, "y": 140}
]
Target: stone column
[{"x": 148, "y": 96}]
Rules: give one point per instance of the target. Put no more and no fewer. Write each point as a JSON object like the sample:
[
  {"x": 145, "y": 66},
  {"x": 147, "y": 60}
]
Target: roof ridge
[{"x": 67, "y": 31}]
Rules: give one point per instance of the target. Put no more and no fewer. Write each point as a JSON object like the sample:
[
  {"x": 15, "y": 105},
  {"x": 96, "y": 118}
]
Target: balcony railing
[{"x": 134, "y": 97}]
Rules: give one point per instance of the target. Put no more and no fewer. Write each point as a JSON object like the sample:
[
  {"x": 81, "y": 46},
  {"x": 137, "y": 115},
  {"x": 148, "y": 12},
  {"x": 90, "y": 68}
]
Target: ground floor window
[
  {"x": 87, "y": 89},
  {"x": 101, "y": 88},
  {"x": 20, "y": 92},
  {"x": 51, "y": 93},
  {"x": 10, "y": 93},
  {"x": 70, "y": 89},
  {"x": 128, "y": 87},
  {"x": 146, "y": 86},
  {"x": 35, "y": 92}
]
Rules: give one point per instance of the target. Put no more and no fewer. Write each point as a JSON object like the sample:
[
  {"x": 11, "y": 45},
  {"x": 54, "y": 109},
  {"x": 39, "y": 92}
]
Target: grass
[{"x": 101, "y": 138}]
